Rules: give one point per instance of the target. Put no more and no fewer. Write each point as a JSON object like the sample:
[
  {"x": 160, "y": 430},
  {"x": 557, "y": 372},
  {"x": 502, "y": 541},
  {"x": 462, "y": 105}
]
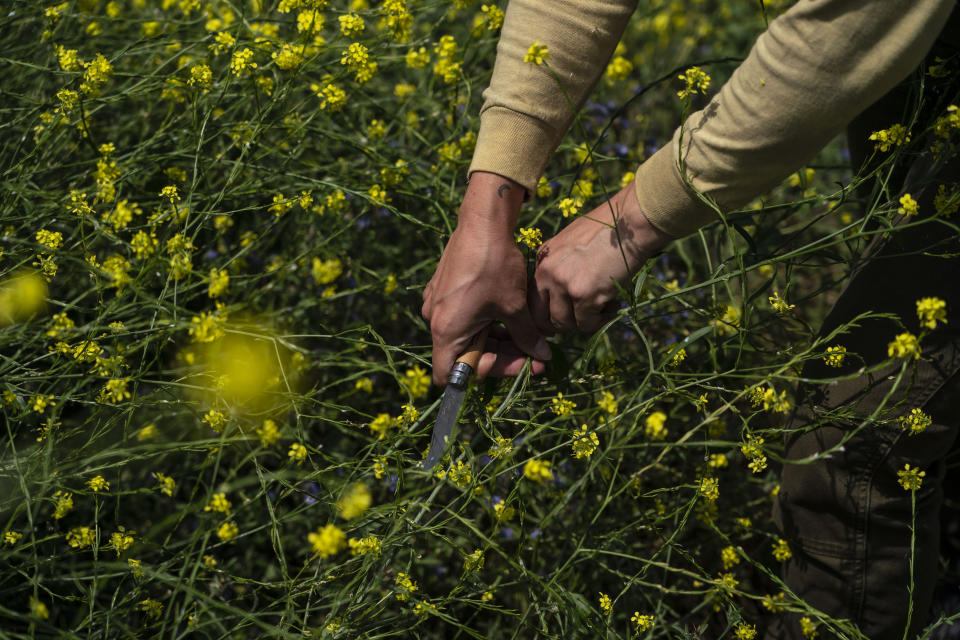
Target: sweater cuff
[
  {"x": 513, "y": 145},
  {"x": 665, "y": 199}
]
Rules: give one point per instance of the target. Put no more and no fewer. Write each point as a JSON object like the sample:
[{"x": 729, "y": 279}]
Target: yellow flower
[
  {"x": 930, "y": 311},
  {"x": 654, "y": 425},
  {"x": 80, "y": 537},
  {"x": 781, "y": 550},
  {"x": 363, "y": 546},
  {"x": 327, "y": 540},
  {"x": 417, "y": 381},
  {"x": 381, "y": 424},
  {"x": 473, "y": 561},
  {"x": 351, "y": 24},
  {"x": 228, "y": 531},
  {"x": 697, "y": 81},
  {"x": 12, "y": 537},
  {"x": 562, "y": 407},
  {"x": 268, "y": 433},
  {"x": 809, "y": 628},
  {"x": 297, "y": 453},
  {"x": 364, "y": 384},
  {"x": 641, "y": 623},
  {"x": 538, "y": 470},
  {"x": 219, "y": 503},
  {"x": 584, "y": 444},
  {"x": 835, "y": 355},
  {"x": 729, "y": 557},
  {"x": 532, "y": 238},
  {"x": 355, "y": 502},
  {"x": 121, "y": 540},
  {"x": 916, "y": 422},
  {"x": 911, "y": 478},
  {"x": 537, "y": 54},
  {"x": 744, "y": 631},
  {"x": 64, "y": 504},
  {"x": 908, "y": 206},
  {"x": 407, "y": 586},
  {"x": 905, "y": 345},
  {"x": 38, "y": 609},
  {"x": 97, "y": 483},
  {"x": 242, "y": 62},
  {"x": 779, "y": 304},
  {"x": 606, "y": 605},
  {"x": 151, "y": 608},
  {"x": 167, "y": 484},
  {"x": 895, "y": 136},
  {"x": 608, "y": 403},
  {"x": 570, "y": 207}
]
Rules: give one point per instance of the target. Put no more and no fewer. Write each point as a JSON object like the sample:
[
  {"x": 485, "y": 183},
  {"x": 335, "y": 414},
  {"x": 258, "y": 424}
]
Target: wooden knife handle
[{"x": 471, "y": 356}]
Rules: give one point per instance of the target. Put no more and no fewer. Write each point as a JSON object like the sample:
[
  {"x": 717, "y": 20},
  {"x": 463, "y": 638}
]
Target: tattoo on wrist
[{"x": 501, "y": 189}]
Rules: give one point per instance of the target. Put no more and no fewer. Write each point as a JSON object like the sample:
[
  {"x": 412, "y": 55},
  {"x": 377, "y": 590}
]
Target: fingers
[
  {"x": 524, "y": 334},
  {"x": 504, "y": 359}
]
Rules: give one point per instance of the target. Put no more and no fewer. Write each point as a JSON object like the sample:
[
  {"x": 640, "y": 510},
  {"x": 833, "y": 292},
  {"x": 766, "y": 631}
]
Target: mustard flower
[
  {"x": 11, "y": 537},
  {"x": 502, "y": 447},
  {"x": 64, "y": 504},
  {"x": 641, "y": 623},
  {"x": 473, "y": 561},
  {"x": 744, "y": 631},
  {"x": 297, "y": 453},
  {"x": 606, "y": 605},
  {"x": 570, "y": 207},
  {"x": 268, "y": 433},
  {"x": 365, "y": 545},
  {"x": 608, "y": 403},
  {"x": 327, "y": 540},
  {"x": 242, "y": 62},
  {"x": 460, "y": 474},
  {"x": 544, "y": 190},
  {"x": 219, "y": 503},
  {"x": 910, "y": 478},
  {"x": 537, "y": 54},
  {"x": 381, "y": 424},
  {"x": 326, "y": 271},
  {"x": 908, "y": 206},
  {"x": 351, "y": 24},
  {"x": 779, "y": 304},
  {"x": 916, "y": 421},
  {"x": 38, "y": 609},
  {"x": 809, "y": 628},
  {"x": 121, "y": 540},
  {"x": 98, "y": 483},
  {"x": 537, "y": 470},
  {"x": 228, "y": 531},
  {"x": 562, "y": 407},
  {"x": 584, "y": 443},
  {"x": 835, "y": 355},
  {"x": 80, "y": 537},
  {"x": 532, "y": 238},
  {"x": 655, "y": 425},
  {"x": 364, "y": 384},
  {"x": 406, "y": 585},
  {"x": 216, "y": 419},
  {"x": 152, "y": 608},
  {"x": 930, "y": 311},
  {"x": 781, "y": 550},
  {"x": 502, "y": 512},
  {"x": 696, "y": 81},
  {"x": 167, "y": 484},
  {"x": 894, "y": 136},
  {"x": 905, "y": 345},
  {"x": 416, "y": 381},
  {"x": 355, "y": 502},
  {"x": 946, "y": 202},
  {"x": 619, "y": 69},
  {"x": 729, "y": 557}
]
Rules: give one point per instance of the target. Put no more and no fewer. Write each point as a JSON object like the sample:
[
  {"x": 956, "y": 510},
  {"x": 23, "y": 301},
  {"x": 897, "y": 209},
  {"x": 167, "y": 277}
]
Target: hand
[
  {"x": 482, "y": 278},
  {"x": 577, "y": 269}
]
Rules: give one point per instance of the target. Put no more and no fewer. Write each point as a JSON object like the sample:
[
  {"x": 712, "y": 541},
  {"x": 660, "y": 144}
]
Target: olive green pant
[{"x": 854, "y": 530}]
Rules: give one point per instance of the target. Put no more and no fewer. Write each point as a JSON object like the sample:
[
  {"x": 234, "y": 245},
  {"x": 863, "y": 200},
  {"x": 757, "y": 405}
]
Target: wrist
[{"x": 491, "y": 206}]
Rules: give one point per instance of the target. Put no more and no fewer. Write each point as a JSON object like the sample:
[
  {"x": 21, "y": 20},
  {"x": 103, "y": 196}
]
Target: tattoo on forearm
[{"x": 501, "y": 188}]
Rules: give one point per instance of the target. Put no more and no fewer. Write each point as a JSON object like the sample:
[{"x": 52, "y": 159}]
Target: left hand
[{"x": 577, "y": 268}]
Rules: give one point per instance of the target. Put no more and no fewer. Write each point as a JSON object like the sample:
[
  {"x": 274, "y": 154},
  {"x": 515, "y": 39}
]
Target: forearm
[
  {"x": 525, "y": 113},
  {"x": 490, "y": 207},
  {"x": 808, "y": 75}
]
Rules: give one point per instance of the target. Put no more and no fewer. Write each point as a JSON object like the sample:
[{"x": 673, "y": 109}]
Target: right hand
[{"x": 482, "y": 278}]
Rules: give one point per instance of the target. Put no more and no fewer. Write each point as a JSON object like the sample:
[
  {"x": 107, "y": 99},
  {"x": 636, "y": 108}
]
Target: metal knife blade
[{"x": 446, "y": 419}]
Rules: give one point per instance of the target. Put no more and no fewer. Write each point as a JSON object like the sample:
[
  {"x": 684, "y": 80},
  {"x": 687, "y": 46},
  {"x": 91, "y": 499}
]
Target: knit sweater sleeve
[
  {"x": 815, "y": 68},
  {"x": 528, "y": 108}
]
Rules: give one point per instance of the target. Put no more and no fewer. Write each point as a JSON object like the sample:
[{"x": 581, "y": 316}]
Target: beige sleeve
[
  {"x": 525, "y": 113},
  {"x": 815, "y": 68}
]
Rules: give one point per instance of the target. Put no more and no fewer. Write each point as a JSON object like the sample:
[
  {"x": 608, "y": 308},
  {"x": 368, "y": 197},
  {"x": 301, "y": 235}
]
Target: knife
[{"x": 453, "y": 397}]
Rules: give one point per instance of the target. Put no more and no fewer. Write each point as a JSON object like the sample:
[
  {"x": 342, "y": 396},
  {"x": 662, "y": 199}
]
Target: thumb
[{"x": 524, "y": 334}]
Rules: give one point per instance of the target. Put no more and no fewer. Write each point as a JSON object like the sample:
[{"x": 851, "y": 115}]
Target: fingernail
[{"x": 542, "y": 350}]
